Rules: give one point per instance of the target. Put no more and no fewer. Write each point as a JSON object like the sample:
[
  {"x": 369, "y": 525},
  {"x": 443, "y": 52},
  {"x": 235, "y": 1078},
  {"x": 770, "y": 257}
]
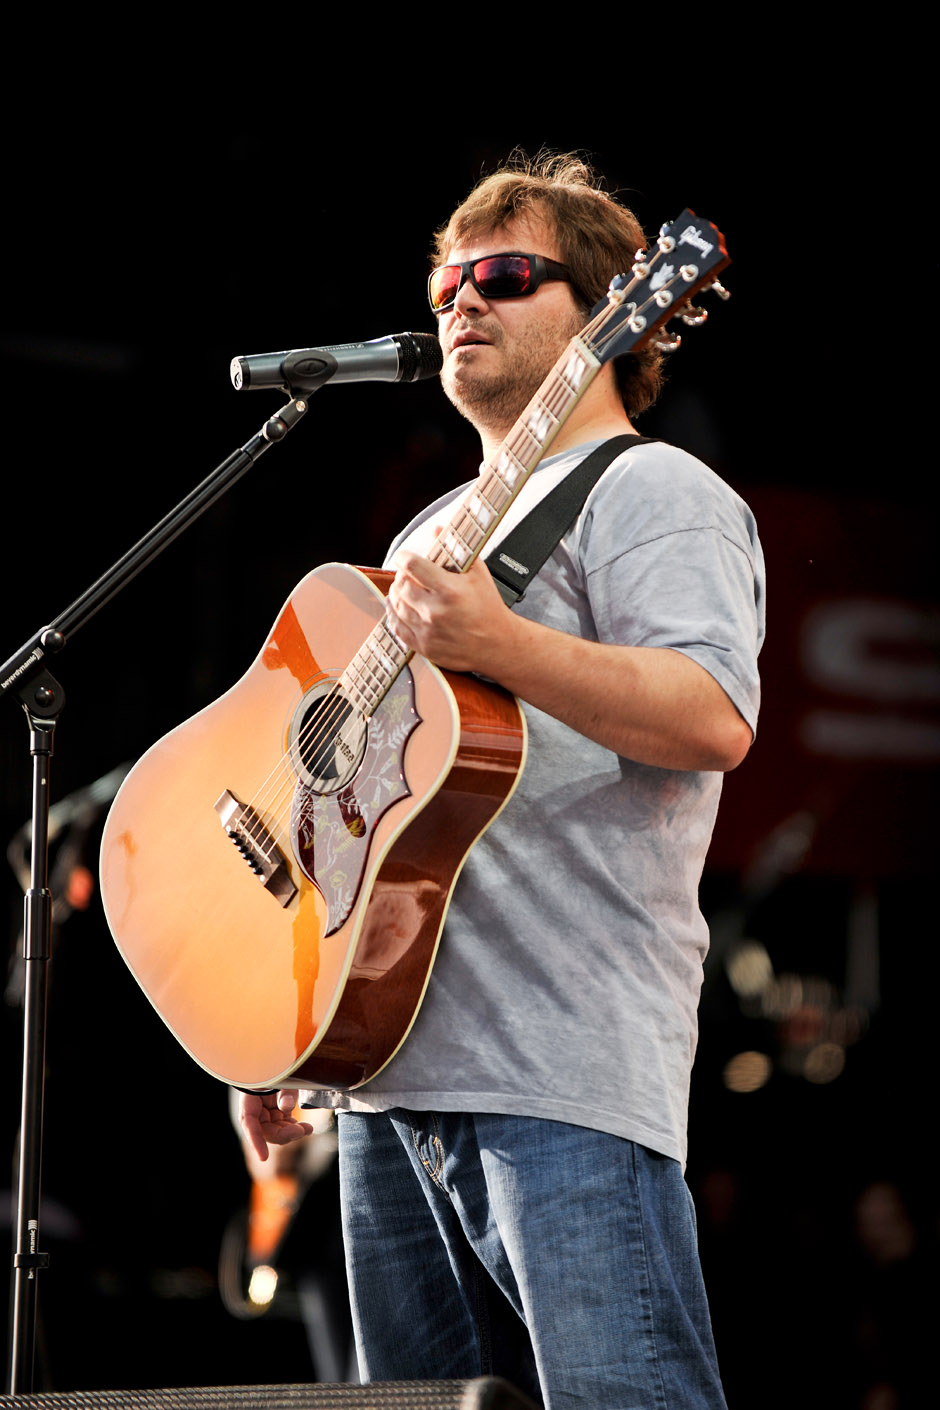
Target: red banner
[{"x": 843, "y": 769}]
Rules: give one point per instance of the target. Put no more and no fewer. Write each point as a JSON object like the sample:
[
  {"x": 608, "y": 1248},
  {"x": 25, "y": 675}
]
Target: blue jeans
[{"x": 561, "y": 1258}]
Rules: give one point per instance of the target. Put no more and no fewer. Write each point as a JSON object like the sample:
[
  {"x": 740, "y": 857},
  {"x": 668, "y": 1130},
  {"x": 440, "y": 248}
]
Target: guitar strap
[{"x": 522, "y": 553}]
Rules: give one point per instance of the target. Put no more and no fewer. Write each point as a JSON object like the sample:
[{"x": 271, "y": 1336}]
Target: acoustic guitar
[{"x": 276, "y": 871}]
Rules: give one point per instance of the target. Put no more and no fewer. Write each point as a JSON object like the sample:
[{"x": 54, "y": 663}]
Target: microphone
[{"x": 402, "y": 357}]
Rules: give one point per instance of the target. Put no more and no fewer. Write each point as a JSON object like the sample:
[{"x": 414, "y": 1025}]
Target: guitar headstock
[{"x": 685, "y": 260}]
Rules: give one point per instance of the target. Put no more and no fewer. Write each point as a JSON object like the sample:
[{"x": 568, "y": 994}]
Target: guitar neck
[{"x": 502, "y": 478}]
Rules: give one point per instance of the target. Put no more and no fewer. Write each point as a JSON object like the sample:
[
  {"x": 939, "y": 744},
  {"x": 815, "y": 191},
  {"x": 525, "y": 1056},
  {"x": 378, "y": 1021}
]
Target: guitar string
[{"x": 314, "y": 735}]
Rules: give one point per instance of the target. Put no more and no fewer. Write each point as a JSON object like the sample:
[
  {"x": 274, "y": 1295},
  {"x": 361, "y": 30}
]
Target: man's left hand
[{"x": 454, "y": 619}]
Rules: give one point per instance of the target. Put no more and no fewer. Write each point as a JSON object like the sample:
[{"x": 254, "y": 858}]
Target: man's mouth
[{"x": 469, "y": 340}]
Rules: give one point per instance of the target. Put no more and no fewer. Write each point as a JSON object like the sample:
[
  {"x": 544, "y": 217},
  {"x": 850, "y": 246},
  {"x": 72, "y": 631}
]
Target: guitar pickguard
[{"x": 331, "y": 833}]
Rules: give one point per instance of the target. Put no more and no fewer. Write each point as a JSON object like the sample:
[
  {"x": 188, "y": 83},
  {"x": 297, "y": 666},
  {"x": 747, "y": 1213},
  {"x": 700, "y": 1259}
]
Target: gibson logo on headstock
[{"x": 693, "y": 237}]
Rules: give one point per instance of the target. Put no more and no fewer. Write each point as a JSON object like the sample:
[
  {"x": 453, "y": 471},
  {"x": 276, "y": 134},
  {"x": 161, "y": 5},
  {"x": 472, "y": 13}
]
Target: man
[{"x": 512, "y": 1181}]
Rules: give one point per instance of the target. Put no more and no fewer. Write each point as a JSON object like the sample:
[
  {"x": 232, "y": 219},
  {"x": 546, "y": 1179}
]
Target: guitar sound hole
[{"x": 327, "y": 738}]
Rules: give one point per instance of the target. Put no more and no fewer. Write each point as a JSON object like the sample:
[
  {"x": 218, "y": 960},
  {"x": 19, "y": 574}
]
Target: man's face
[{"x": 497, "y": 352}]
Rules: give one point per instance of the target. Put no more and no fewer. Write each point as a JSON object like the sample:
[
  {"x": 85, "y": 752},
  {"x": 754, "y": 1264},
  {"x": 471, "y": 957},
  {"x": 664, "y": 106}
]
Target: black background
[{"x": 168, "y": 208}]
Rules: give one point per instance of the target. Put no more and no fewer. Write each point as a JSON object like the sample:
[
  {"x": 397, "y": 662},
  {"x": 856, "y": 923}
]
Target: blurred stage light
[
  {"x": 824, "y": 1063},
  {"x": 263, "y": 1285},
  {"x": 747, "y": 1072},
  {"x": 749, "y": 968}
]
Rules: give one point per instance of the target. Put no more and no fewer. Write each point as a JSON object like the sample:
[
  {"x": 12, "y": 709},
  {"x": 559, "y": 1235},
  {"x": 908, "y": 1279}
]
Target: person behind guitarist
[{"x": 512, "y": 1182}]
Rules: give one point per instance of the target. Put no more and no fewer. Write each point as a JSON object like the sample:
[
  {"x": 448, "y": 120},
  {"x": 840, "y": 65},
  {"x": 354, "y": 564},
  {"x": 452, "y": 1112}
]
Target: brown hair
[{"x": 597, "y": 238}]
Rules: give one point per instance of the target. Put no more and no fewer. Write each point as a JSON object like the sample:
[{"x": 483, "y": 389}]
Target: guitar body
[{"x": 281, "y": 911}]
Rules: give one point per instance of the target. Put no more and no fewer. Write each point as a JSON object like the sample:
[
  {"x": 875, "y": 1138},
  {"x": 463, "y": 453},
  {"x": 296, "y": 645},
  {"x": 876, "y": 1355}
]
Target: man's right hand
[{"x": 267, "y": 1119}]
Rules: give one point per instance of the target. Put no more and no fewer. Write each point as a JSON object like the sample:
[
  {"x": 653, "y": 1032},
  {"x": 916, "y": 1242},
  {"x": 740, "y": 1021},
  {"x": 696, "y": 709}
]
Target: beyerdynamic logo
[
  {"x": 20, "y": 670},
  {"x": 695, "y": 238}
]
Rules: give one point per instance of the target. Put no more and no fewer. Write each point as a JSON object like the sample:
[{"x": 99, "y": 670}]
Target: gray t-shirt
[{"x": 568, "y": 976}]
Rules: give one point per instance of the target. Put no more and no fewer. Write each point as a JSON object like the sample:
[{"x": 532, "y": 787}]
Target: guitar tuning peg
[
  {"x": 668, "y": 345},
  {"x": 719, "y": 289},
  {"x": 693, "y": 317},
  {"x": 616, "y": 287},
  {"x": 640, "y": 269}
]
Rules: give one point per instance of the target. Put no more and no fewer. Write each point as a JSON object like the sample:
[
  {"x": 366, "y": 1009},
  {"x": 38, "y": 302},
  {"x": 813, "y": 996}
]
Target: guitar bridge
[{"x": 254, "y": 841}]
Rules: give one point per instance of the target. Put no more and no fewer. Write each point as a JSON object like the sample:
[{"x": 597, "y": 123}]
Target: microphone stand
[{"x": 25, "y": 677}]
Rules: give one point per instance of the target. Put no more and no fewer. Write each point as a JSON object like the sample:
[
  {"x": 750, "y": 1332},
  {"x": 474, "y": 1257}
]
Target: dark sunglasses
[{"x": 507, "y": 276}]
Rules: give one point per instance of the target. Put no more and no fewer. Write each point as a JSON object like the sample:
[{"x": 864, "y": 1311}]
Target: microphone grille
[{"x": 421, "y": 356}]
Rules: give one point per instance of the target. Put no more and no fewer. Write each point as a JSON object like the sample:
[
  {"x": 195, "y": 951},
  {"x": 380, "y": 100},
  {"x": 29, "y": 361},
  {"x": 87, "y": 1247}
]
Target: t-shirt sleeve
[{"x": 670, "y": 558}]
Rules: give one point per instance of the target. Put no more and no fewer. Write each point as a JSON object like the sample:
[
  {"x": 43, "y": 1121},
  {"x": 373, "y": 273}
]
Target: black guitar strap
[{"x": 522, "y": 553}]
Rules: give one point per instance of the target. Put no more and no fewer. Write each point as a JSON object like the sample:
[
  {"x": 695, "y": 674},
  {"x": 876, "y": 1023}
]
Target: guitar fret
[
  {"x": 567, "y": 385},
  {"x": 359, "y": 675},
  {"x": 369, "y": 677},
  {"x": 475, "y": 531},
  {"x": 537, "y": 442},
  {"x": 390, "y": 652},
  {"x": 480, "y": 512},
  {"x": 559, "y": 402},
  {"x": 508, "y": 468},
  {"x": 539, "y": 422},
  {"x": 359, "y": 699},
  {"x": 394, "y": 646},
  {"x": 372, "y": 670},
  {"x": 439, "y": 550},
  {"x": 456, "y": 545},
  {"x": 497, "y": 495},
  {"x": 563, "y": 397},
  {"x": 470, "y": 531},
  {"x": 575, "y": 368},
  {"x": 486, "y": 510},
  {"x": 497, "y": 491}
]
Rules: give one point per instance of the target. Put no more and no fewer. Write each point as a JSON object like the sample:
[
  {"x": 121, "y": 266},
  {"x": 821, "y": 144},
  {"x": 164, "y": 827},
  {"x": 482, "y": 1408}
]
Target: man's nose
[{"x": 469, "y": 299}]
